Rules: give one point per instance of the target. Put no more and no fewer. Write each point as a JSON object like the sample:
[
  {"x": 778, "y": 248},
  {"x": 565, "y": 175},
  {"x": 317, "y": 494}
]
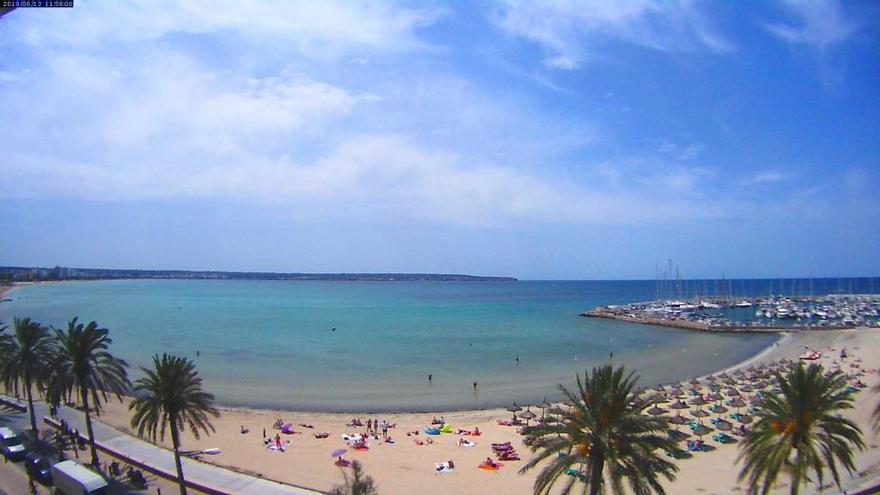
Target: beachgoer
[
  {"x": 517, "y": 358},
  {"x": 451, "y": 464},
  {"x": 264, "y": 433},
  {"x": 475, "y": 386},
  {"x": 476, "y": 430},
  {"x": 430, "y": 376},
  {"x": 369, "y": 424}
]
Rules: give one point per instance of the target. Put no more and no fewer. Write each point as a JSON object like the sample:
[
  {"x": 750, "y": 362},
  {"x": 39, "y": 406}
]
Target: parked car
[
  {"x": 39, "y": 467},
  {"x": 13, "y": 449}
]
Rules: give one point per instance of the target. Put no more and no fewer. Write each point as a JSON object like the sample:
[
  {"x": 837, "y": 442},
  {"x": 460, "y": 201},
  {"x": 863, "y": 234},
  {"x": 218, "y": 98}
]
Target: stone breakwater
[{"x": 601, "y": 312}]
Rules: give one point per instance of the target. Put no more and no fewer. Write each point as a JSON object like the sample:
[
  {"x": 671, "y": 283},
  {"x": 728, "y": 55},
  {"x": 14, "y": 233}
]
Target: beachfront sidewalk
[{"x": 207, "y": 475}]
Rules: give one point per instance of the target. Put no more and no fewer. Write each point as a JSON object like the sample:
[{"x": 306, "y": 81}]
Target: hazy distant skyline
[{"x": 541, "y": 140}]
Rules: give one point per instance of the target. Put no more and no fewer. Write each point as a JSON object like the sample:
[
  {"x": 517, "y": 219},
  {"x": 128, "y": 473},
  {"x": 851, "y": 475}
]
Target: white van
[{"x": 71, "y": 478}]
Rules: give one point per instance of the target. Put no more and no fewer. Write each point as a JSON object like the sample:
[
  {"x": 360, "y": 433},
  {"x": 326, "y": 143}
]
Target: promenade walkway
[{"x": 202, "y": 475}]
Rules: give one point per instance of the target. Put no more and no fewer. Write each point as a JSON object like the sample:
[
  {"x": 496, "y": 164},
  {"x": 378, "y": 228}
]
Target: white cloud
[
  {"x": 326, "y": 28},
  {"x": 363, "y": 178},
  {"x": 765, "y": 177},
  {"x": 678, "y": 152},
  {"x": 819, "y": 24},
  {"x": 573, "y": 32}
]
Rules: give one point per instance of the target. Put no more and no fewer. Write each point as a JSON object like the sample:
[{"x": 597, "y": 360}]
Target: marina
[{"x": 756, "y": 314}]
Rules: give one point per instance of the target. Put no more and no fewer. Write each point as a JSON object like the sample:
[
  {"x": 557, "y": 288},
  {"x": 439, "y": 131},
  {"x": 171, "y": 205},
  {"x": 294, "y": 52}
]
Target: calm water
[{"x": 269, "y": 343}]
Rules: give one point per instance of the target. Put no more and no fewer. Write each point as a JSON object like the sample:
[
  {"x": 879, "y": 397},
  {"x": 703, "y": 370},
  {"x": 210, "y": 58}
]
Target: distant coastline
[{"x": 38, "y": 274}]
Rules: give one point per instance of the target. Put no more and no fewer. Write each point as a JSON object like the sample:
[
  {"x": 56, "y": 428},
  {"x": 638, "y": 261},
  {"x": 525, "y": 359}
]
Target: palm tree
[
  {"x": 171, "y": 395},
  {"x": 26, "y": 357},
  {"x": 83, "y": 365},
  {"x": 800, "y": 430},
  {"x": 876, "y": 414},
  {"x": 603, "y": 435},
  {"x": 356, "y": 484}
]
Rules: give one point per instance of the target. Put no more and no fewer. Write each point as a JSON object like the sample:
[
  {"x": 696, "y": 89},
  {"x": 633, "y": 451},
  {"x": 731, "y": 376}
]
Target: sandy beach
[{"x": 406, "y": 467}]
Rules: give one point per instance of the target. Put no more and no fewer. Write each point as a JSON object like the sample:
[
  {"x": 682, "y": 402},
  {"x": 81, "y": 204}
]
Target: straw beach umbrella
[
  {"x": 699, "y": 413},
  {"x": 677, "y": 435},
  {"x": 738, "y": 403},
  {"x": 528, "y": 415},
  {"x": 678, "y": 420},
  {"x": 655, "y": 411},
  {"x": 678, "y": 405},
  {"x": 723, "y": 425},
  {"x": 718, "y": 409},
  {"x": 514, "y": 409},
  {"x": 701, "y": 430},
  {"x": 544, "y": 407}
]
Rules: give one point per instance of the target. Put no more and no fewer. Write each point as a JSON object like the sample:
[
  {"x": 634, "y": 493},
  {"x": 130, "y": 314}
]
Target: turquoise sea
[{"x": 273, "y": 343}]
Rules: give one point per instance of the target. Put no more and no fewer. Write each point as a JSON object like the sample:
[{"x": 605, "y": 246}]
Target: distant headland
[{"x": 34, "y": 274}]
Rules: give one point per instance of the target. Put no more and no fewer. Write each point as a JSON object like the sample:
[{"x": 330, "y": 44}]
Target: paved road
[{"x": 151, "y": 455}]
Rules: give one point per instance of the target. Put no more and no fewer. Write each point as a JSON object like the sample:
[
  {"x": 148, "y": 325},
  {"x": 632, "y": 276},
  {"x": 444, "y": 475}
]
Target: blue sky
[{"x": 552, "y": 139}]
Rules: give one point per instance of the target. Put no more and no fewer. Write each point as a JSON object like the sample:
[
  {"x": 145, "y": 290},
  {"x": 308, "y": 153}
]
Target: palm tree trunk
[
  {"x": 597, "y": 466},
  {"x": 175, "y": 440},
  {"x": 84, "y": 394},
  {"x": 30, "y": 399},
  {"x": 795, "y": 486}
]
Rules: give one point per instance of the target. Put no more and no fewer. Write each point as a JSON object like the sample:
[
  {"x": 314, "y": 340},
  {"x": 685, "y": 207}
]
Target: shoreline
[
  {"x": 407, "y": 467},
  {"x": 234, "y": 405}
]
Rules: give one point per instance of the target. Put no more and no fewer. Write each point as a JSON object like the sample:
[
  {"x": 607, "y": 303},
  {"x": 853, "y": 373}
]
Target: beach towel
[{"x": 443, "y": 467}]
